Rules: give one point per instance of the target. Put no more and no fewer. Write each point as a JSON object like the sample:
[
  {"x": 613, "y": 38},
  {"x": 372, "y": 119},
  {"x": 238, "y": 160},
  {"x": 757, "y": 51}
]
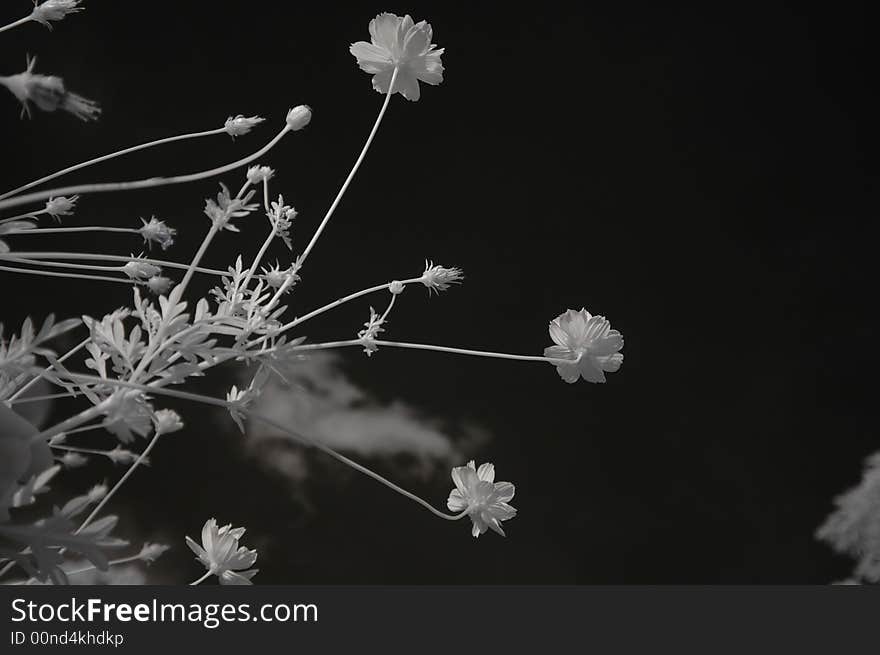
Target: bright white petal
[
  {"x": 456, "y": 502},
  {"x": 486, "y": 472},
  {"x": 611, "y": 363},
  {"x": 371, "y": 58},
  {"x": 568, "y": 372},
  {"x": 383, "y": 30},
  {"x": 407, "y": 85},
  {"x": 590, "y": 370},
  {"x": 504, "y": 491}
]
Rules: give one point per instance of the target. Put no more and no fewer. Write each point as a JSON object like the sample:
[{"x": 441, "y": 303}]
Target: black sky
[{"x": 700, "y": 177}]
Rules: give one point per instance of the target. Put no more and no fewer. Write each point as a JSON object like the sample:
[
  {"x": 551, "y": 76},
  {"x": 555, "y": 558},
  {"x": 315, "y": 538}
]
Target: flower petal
[
  {"x": 569, "y": 372},
  {"x": 371, "y": 58},
  {"x": 611, "y": 363},
  {"x": 486, "y": 472},
  {"x": 465, "y": 479},
  {"x": 407, "y": 85},
  {"x": 383, "y": 31},
  {"x": 429, "y": 68},
  {"x": 233, "y": 578},
  {"x": 456, "y": 502},
  {"x": 590, "y": 370},
  {"x": 502, "y": 511},
  {"x": 503, "y": 492}
]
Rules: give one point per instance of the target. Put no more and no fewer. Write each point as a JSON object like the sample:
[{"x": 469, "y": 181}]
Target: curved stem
[
  {"x": 141, "y": 184},
  {"x": 296, "y": 435},
  {"x": 202, "y": 579},
  {"x": 351, "y": 174},
  {"x": 119, "y": 153}
]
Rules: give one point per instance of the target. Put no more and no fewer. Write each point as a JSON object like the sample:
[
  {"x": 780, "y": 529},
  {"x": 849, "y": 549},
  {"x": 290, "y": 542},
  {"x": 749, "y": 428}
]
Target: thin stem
[
  {"x": 444, "y": 349},
  {"x": 208, "y": 400},
  {"x": 101, "y": 278},
  {"x": 97, "y": 160},
  {"x": 20, "y": 21},
  {"x": 141, "y": 184},
  {"x": 37, "y": 399},
  {"x": 88, "y": 228},
  {"x": 119, "y": 483},
  {"x": 345, "y": 460},
  {"x": 202, "y": 579},
  {"x": 353, "y": 170},
  {"x": 70, "y": 353},
  {"x": 258, "y": 258},
  {"x": 16, "y": 256}
]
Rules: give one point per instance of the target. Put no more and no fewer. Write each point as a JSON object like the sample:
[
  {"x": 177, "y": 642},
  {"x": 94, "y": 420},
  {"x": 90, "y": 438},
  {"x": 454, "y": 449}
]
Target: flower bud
[
  {"x": 167, "y": 421},
  {"x": 396, "y": 287},
  {"x": 299, "y": 117}
]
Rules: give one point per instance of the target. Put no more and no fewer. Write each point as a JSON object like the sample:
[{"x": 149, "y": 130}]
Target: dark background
[{"x": 700, "y": 177}]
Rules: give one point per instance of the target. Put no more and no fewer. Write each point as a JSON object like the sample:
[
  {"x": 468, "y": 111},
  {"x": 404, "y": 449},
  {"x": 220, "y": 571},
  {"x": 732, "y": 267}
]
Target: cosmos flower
[
  {"x": 222, "y": 556},
  {"x": 54, "y": 10},
  {"x": 484, "y": 499},
  {"x": 48, "y": 93},
  {"x": 589, "y": 342},
  {"x": 398, "y": 42}
]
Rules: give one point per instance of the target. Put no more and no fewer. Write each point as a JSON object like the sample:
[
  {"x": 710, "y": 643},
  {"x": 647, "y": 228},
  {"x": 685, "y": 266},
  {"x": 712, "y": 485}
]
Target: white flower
[
  {"x": 54, "y": 10},
  {"x": 61, "y": 206},
  {"x": 158, "y": 231},
  {"x": 48, "y": 93},
  {"x": 484, "y": 499},
  {"x": 167, "y": 421},
  {"x": 299, "y": 117},
  {"x": 398, "y": 42},
  {"x": 138, "y": 269},
  {"x": 221, "y": 554},
  {"x": 239, "y": 125},
  {"x": 589, "y": 342},
  {"x": 438, "y": 278}
]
